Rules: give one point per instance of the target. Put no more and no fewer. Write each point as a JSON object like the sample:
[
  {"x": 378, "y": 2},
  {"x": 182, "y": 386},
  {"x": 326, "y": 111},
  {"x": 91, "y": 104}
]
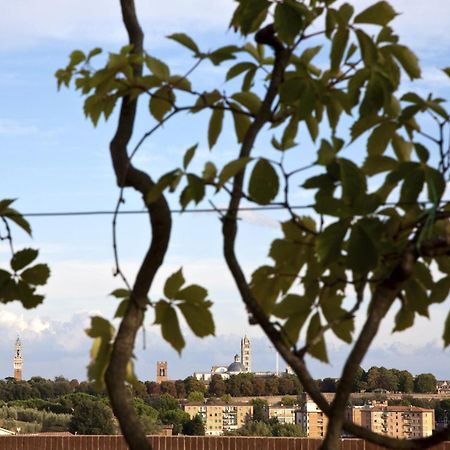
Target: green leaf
[
  {"x": 4, "y": 204},
  {"x": 422, "y": 152},
  {"x": 362, "y": 254},
  {"x": 376, "y": 164},
  {"x": 180, "y": 82},
  {"x": 18, "y": 219},
  {"x": 238, "y": 68},
  {"x": 166, "y": 316},
  {"x": 249, "y": 100},
  {"x": 161, "y": 102},
  {"x": 157, "y": 67},
  {"x": 122, "y": 308},
  {"x": 241, "y": 123},
  {"x": 76, "y": 57},
  {"x": 446, "y": 335},
  {"x": 412, "y": 187},
  {"x": 199, "y": 318},
  {"x": 209, "y": 172},
  {"x": 185, "y": 40},
  {"x": 263, "y": 185},
  {"x": 100, "y": 327},
  {"x": 223, "y": 54},
  {"x": 23, "y": 258},
  {"x": 317, "y": 350},
  {"x": 380, "y": 13},
  {"x": 289, "y": 21},
  {"x": 407, "y": 59},
  {"x": 36, "y": 275},
  {"x": 249, "y": 15},
  {"x": 352, "y": 179},
  {"x": 215, "y": 126},
  {"x": 173, "y": 284},
  {"x": 380, "y": 138},
  {"x": 440, "y": 290},
  {"x": 404, "y": 319},
  {"x": 328, "y": 244},
  {"x": 192, "y": 293},
  {"x": 121, "y": 293},
  {"x": 402, "y": 148},
  {"x": 338, "y": 47},
  {"x": 231, "y": 169},
  {"x": 165, "y": 181},
  {"x": 446, "y": 71},
  {"x": 436, "y": 184},
  {"x": 190, "y": 152}
]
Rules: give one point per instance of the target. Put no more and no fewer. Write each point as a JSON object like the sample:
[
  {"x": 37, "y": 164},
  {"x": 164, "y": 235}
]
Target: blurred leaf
[
  {"x": 190, "y": 152},
  {"x": 329, "y": 242},
  {"x": 23, "y": 258},
  {"x": 231, "y": 169},
  {"x": 215, "y": 126},
  {"x": 263, "y": 186},
  {"x": 381, "y": 13},
  {"x": 317, "y": 350},
  {"x": 36, "y": 275},
  {"x": 173, "y": 284},
  {"x": 185, "y": 40},
  {"x": 166, "y": 316}
]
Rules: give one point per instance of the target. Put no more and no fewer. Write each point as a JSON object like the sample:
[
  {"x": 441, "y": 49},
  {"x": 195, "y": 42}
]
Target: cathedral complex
[{"x": 241, "y": 364}]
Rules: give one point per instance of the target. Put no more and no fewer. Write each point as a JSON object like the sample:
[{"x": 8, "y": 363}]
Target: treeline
[{"x": 380, "y": 378}]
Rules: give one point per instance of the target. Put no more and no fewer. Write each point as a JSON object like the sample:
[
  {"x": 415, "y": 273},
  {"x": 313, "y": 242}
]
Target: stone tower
[
  {"x": 161, "y": 372},
  {"x": 18, "y": 360},
  {"x": 246, "y": 357}
]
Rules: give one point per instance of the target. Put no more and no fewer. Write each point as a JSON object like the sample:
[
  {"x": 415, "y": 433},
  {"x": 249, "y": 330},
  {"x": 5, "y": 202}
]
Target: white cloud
[{"x": 13, "y": 128}]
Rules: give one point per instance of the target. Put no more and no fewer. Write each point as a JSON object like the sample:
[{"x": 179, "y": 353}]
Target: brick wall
[{"x": 29, "y": 442}]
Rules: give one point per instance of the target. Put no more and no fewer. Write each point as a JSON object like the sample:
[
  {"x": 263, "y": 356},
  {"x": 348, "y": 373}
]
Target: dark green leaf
[
  {"x": 338, "y": 47},
  {"x": 407, "y": 59},
  {"x": 249, "y": 100},
  {"x": 173, "y": 284},
  {"x": 412, "y": 187},
  {"x": 380, "y": 138},
  {"x": 185, "y": 40},
  {"x": 263, "y": 185},
  {"x": 18, "y": 219},
  {"x": 352, "y": 179},
  {"x": 446, "y": 335},
  {"x": 36, "y": 275},
  {"x": 121, "y": 309},
  {"x": 120, "y": 293},
  {"x": 215, "y": 126},
  {"x": 192, "y": 293},
  {"x": 329, "y": 242},
  {"x": 199, "y": 318},
  {"x": 288, "y": 21},
  {"x": 237, "y": 69},
  {"x": 381, "y": 13},
  {"x": 362, "y": 254},
  {"x": 161, "y": 102},
  {"x": 440, "y": 290},
  {"x": 190, "y": 152},
  {"x": 241, "y": 123},
  {"x": 404, "y": 319},
  {"x": 23, "y": 258},
  {"x": 231, "y": 169},
  {"x": 166, "y": 316},
  {"x": 318, "y": 350}
]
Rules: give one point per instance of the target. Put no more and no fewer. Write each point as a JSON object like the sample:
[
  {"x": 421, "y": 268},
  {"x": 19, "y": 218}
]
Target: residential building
[
  {"x": 311, "y": 418},
  {"x": 219, "y": 417},
  {"x": 405, "y": 422},
  {"x": 443, "y": 387},
  {"x": 284, "y": 414}
]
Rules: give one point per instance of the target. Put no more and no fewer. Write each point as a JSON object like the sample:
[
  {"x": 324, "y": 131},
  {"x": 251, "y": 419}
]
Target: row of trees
[{"x": 241, "y": 385}]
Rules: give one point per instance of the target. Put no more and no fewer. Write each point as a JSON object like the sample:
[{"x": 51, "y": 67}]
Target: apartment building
[
  {"x": 219, "y": 417},
  {"x": 311, "y": 418},
  {"x": 284, "y": 414},
  {"x": 406, "y": 422}
]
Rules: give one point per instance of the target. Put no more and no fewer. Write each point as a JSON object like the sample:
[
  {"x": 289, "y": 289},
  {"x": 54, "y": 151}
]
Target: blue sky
[{"x": 53, "y": 159}]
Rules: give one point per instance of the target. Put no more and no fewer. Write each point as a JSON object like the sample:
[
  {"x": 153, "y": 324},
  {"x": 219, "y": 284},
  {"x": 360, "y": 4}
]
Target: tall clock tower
[{"x": 18, "y": 360}]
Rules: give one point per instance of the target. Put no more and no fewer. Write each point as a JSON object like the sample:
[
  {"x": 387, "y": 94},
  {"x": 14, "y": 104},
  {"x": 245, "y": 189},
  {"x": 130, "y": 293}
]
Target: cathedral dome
[{"x": 236, "y": 367}]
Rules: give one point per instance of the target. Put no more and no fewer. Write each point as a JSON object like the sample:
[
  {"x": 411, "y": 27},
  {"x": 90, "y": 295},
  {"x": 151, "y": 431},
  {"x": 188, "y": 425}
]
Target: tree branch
[{"x": 160, "y": 219}]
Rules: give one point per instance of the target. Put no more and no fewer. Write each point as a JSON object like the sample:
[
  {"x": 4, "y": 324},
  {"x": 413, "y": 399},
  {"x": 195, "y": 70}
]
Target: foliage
[
  {"x": 196, "y": 396},
  {"x": 425, "y": 383},
  {"x": 378, "y": 223},
  {"x": 22, "y": 279},
  {"x": 194, "y": 427},
  {"x": 92, "y": 417}
]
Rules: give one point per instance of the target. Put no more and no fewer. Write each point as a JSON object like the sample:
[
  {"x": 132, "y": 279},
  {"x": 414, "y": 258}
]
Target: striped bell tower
[{"x": 18, "y": 360}]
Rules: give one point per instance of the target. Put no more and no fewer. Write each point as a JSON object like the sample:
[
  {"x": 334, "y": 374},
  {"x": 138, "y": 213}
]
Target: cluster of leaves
[
  {"x": 190, "y": 300},
  {"x": 363, "y": 231},
  {"x": 21, "y": 281}
]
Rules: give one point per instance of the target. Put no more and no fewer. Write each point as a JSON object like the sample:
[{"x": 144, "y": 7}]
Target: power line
[
  {"x": 173, "y": 211},
  {"x": 199, "y": 210}
]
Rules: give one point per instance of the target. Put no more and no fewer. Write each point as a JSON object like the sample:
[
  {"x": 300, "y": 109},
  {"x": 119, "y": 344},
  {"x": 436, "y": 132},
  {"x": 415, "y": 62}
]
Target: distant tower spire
[
  {"x": 246, "y": 356},
  {"x": 18, "y": 360},
  {"x": 162, "y": 373}
]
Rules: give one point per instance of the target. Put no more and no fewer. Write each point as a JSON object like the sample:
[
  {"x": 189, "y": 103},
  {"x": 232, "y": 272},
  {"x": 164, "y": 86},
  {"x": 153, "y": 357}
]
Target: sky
[{"x": 53, "y": 159}]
